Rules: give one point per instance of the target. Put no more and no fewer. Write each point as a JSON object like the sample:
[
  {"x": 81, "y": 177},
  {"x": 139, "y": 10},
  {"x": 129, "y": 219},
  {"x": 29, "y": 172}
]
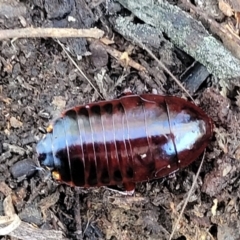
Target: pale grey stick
[{"x": 50, "y": 32}]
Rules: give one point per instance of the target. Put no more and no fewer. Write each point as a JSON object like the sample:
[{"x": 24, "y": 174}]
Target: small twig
[
  {"x": 77, "y": 214},
  {"x": 210, "y": 235},
  {"x": 188, "y": 197},
  {"x": 78, "y": 68},
  {"x": 36, "y": 192},
  {"x": 50, "y": 32},
  {"x": 123, "y": 58},
  {"x": 88, "y": 222},
  {"x": 162, "y": 66}
]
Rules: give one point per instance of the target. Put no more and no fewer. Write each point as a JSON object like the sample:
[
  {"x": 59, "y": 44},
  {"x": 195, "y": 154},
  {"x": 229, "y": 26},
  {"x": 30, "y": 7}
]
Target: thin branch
[
  {"x": 50, "y": 32},
  {"x": 187, "y": 199},
  {"x": 78, "y": 68},
  {"x": 161, "y": 64},
  {"x": 123, "y": 57}
]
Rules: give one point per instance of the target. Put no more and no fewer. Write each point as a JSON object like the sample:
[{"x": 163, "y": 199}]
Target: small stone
[
  {"x": 59, "y": 102},
  {"x": 99, "y": 55},
  {"x": 31, "y": 214},
  {"x": 13, "y": 149},
  {"x": 15, "y": 123},
  {"x": 4, "y": 156},
  {"x": 23, "y": 168}
]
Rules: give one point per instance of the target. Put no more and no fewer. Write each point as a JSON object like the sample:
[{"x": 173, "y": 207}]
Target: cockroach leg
[
  {"x": 50, "y": 128},
  {"x": 126, "y": 92},
  {"x": 128, "y": 187},
  {"x": 118, "y": 190},
  {"x": 56, "y": 175}
]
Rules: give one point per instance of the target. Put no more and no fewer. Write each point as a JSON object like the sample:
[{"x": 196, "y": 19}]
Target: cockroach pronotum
[{"x": 132, "y": 139}]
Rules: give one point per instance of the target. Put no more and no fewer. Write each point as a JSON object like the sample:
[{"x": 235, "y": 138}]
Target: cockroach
[{"x": 132, "y": 139}]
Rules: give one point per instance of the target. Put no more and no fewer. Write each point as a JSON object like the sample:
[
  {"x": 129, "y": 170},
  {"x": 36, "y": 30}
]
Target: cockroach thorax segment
[{"x": 44, "y": 150}]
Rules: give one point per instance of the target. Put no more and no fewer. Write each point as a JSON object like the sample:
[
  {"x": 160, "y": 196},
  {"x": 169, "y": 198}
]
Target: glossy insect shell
[{"x": 127, "y": 140}]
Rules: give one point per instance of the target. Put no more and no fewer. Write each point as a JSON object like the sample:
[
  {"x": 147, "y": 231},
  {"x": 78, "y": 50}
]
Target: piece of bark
[
  {"x": 146, "y": 34},
  {"x": 188, "y": 34},
  {"x": 194, "y": 76},
  {"x": 27, "y": 231}
]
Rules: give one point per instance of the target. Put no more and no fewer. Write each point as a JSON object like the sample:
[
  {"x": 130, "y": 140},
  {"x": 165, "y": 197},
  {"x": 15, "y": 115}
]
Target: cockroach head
[{"x": 44, "y": 150}]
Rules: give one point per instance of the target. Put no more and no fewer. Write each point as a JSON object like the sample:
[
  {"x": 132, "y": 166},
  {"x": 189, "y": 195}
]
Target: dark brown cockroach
[{"x": 124, "y": 141}]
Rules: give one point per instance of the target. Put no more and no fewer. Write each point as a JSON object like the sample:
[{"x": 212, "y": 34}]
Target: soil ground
[{"x": 38, "y": 81}]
